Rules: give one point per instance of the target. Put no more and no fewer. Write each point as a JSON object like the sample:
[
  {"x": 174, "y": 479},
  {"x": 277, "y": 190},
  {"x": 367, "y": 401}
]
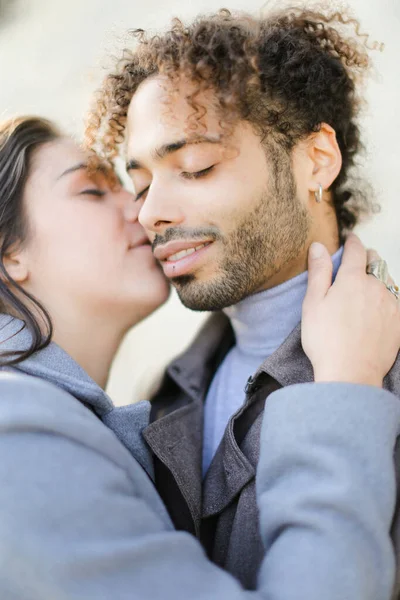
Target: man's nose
[{"x": 159, "y": 210}]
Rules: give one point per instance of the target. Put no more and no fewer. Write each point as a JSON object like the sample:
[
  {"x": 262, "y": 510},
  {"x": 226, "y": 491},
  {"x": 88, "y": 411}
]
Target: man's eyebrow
[
  {"x": 78, "y": 167},
  {"x": 172, "y": 147}
]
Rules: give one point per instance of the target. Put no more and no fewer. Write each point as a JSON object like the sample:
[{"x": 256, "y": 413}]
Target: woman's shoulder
[
  {"x": 66, "y": 480},
  {"x": 33, "y": 401},
  {"x": 32, "y": 405}
]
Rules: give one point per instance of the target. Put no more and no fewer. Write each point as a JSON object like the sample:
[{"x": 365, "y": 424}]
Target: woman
[{"x": 80, "y": 517}]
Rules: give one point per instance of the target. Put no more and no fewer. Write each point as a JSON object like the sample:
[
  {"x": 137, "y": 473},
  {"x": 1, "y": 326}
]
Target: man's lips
[
  {"x": 174, "y": 251},
  {"x": 180, "y": 258}
]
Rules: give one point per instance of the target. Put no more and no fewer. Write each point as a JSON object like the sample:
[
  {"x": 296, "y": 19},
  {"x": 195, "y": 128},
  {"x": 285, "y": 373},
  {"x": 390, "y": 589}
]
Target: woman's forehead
[{"x": 53, "y": 159}]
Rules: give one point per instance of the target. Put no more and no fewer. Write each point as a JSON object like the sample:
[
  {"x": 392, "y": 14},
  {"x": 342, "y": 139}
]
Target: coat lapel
[{"x": 175, "y": 434}]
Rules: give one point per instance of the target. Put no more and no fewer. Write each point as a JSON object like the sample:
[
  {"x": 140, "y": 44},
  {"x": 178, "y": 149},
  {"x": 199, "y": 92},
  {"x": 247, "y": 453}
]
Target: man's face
[{"x": 224, "y": 218}]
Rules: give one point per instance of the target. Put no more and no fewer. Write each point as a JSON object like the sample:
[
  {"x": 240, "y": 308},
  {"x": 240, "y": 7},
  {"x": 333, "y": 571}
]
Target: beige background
[{"x": 52, "y": 56}]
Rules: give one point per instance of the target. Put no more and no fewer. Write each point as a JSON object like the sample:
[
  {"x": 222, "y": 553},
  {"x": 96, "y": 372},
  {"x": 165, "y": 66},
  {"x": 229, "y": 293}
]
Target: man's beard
[{"x": 264, "y": 242}]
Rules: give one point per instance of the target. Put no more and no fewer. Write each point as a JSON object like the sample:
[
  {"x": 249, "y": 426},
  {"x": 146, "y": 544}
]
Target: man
[{"x": 241, "y": 136}]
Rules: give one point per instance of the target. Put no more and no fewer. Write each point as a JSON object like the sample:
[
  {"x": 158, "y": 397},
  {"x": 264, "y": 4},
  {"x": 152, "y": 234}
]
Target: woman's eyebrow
[{"x": 78, "y": 167}]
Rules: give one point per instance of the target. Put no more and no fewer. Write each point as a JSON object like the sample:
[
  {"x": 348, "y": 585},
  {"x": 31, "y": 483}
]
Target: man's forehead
[
  {"x": 152, "y": 121},
  {"x": 159, "y": 113},
  {"x": 158, "y": 141},
  {"x": 158, "y": 98},
  {"x": 153, "y": 89}
]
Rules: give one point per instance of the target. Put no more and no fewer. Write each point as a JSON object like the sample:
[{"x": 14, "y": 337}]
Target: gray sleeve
[
  {"x": 327, "y": 492},
  {"x": 76, "y": 522},
  {"x": 74, "y": 526}
]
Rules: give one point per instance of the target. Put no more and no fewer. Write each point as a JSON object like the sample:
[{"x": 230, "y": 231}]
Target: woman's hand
[{"x": 351, "y": 328}]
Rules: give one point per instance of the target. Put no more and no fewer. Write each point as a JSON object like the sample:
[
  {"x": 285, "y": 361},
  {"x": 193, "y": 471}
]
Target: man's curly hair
[{"x": 285, "y": 73}]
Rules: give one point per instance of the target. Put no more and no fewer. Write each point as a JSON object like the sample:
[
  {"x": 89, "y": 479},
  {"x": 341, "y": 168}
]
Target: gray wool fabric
[
  {"x": 54, "y": 365},
  {"x": 80, "y": 517}
]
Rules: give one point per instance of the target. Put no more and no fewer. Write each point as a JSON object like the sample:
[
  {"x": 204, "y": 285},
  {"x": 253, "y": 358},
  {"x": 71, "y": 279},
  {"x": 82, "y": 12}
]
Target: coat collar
[
  {"x": 288, "y": 364},
  {"x": 54, "y": 365},
  {"x": 193, "y": 369}
]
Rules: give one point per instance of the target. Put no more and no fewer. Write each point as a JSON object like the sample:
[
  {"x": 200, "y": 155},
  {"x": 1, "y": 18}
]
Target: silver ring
[{"x": 379, "y": 269}]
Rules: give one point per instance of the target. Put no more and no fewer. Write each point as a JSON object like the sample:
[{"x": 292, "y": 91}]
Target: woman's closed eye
[{"x": 93, "y": 192}]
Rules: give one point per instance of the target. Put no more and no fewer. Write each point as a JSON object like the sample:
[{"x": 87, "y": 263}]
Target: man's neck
[
  {"x": 262, "y": 321},
  {"x": 300, "y": 265}
]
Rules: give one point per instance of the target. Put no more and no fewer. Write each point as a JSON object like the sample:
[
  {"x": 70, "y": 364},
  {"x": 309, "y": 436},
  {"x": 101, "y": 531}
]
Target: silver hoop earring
[{"x": 318, "y": 194}]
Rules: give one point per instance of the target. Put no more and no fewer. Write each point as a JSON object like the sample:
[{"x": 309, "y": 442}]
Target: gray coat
[
  {"x": 80, "y": 517},
  {"x": 222, "y": 510}
]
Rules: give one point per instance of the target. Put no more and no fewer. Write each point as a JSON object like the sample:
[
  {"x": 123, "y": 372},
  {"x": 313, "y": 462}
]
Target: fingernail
[{"x": 317, "y": 250}]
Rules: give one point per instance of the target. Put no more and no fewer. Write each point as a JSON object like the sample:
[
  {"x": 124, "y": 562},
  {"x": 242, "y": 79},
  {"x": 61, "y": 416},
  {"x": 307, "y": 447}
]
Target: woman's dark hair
[
  {"x": 285, "y": 73},
  {"x": 19, "y": 140}
]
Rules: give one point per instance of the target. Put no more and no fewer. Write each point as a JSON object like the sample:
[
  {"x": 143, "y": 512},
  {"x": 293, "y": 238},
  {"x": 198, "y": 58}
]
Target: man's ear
[
  {"x": 324, "y": 152},
  {"x": 16, "y": 266}
]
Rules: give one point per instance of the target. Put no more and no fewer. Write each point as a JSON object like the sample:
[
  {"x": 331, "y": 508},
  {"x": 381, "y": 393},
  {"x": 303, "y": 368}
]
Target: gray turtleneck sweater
[{"x": 261, "y": 324}]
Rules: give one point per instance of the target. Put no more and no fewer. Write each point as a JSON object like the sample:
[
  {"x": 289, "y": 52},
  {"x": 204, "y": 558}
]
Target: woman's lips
[
  {"x": 139, "y": 242},
  {"x": 185, "y": 264}
]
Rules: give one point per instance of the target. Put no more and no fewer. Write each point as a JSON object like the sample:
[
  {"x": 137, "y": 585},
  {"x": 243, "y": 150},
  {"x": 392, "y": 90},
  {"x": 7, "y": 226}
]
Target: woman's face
[{"x": 85, "y": 249}]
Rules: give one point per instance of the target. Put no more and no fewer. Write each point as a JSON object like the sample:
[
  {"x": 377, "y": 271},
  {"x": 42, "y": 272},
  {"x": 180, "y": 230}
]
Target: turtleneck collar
[{"x": 262, "y": 322}]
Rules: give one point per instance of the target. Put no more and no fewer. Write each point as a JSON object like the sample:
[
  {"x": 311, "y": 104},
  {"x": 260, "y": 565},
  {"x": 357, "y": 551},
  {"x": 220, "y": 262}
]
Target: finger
[
  {"x": 319, "y": 273},
  {"x": 354, "y": 254}
]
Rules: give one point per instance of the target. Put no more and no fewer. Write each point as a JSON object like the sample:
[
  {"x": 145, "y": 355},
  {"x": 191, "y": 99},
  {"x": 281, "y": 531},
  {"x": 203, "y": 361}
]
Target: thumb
[{"x": 319, "y": 274}]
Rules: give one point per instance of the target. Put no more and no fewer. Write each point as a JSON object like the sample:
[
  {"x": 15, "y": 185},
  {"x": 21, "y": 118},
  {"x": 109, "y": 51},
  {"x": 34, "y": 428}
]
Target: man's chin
[
  {"x": 182, "y": 281},
  {"x": 203, "y": 297},
  {"x": 198, "y": 306},
  {"x": 192, "y": 300}
]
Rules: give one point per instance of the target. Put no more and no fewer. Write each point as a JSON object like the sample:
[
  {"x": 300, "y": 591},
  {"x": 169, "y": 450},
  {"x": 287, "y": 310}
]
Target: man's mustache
[{"x": 182, "y": 233}]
